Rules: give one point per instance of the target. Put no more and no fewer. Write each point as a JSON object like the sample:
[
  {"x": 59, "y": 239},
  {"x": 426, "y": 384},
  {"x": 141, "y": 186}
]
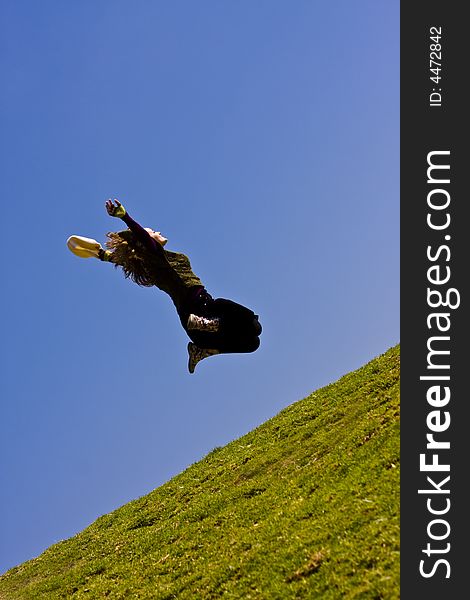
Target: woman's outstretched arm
[{"x": 116, "y": 209}]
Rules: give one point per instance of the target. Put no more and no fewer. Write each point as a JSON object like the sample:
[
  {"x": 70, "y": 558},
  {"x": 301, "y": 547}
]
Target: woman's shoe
[
  {"x": 197, "y": 354},
  {"x": 202, "y": 324}
]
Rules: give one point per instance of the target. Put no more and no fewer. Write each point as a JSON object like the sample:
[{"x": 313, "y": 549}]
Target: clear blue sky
[{"x": 262, "y": 138}]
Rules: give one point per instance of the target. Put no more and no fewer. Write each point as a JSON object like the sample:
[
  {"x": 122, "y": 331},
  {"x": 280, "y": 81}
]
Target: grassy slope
[{"x": 305, "y": 506}]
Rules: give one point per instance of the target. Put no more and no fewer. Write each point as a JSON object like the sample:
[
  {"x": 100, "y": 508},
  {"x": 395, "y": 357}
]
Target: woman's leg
[
  {"x": 235, "y": 318},
  {"x": 238, "y": 329},
  {"x": 225, "y": 344}
]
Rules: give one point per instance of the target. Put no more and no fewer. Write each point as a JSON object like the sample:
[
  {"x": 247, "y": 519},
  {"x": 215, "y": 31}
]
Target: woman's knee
[
  {"x": 253, "y": 344},
  {"x": 257, "y": 326}
]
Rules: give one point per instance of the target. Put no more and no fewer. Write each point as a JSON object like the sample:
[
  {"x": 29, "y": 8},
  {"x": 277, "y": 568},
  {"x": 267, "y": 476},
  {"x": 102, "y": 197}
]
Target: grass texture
[{"x": 304, "y": 506}]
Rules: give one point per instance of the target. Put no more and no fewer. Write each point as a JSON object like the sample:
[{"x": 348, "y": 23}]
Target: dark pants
[{"x": 239, "y": 327}]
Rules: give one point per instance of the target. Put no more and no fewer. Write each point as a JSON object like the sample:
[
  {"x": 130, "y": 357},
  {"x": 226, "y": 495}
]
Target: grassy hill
[{"x": 304, "y": 506}]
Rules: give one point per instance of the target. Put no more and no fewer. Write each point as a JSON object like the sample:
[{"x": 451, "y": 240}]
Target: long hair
[{"x": 132, "y": 256}]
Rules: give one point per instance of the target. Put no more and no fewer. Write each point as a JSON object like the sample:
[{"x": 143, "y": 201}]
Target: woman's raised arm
[{"x": 116, "y": 209}]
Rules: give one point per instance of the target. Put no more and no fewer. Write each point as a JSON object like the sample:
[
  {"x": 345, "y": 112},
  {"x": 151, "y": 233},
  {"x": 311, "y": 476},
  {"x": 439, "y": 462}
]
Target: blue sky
[{"x": 262, "y": 138}]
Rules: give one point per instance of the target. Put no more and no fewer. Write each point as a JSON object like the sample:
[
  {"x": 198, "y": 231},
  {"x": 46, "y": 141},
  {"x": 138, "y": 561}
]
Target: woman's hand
[{"x": 115, "y": 210}]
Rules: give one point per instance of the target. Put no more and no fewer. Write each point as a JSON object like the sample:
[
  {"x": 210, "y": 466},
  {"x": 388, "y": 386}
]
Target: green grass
[{"x": 304, "y": 506}]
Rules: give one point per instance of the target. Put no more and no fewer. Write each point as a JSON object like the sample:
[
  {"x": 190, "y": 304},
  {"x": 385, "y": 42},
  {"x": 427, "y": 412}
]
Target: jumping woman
[{"x": 215, "y": 326}]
